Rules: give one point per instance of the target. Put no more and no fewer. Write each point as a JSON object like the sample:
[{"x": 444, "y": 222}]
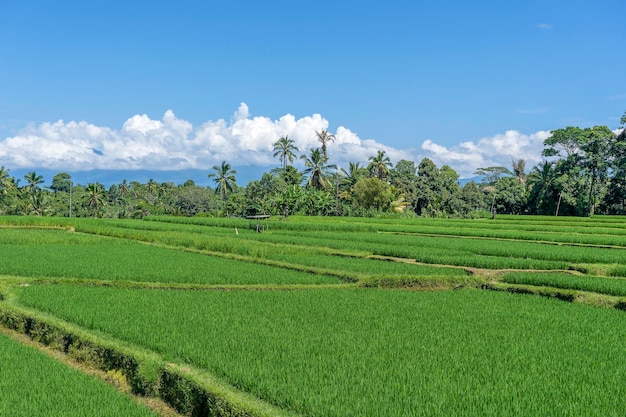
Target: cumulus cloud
[
  {"x": 172, "y": 144},
  {"x": 497, "y": 150}
]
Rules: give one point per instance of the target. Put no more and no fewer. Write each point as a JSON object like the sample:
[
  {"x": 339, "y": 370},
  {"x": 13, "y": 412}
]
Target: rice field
[
  {"x": 33, "y": 384},
  {"x": 63, "y": 254},
  {"x": 600, "y": 285},
  {"x": 337, "y": 316},
  {"x": 464, "y": 249},
  {"x": 338, "y": 352}
]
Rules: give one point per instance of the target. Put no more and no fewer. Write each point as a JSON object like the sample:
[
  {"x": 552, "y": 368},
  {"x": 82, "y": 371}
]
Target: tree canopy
[{"x": 583, "y": 173}]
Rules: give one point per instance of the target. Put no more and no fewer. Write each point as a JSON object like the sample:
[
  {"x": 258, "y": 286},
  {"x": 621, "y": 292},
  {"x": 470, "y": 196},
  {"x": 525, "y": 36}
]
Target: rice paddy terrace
[{"x": 515, "y": 316}]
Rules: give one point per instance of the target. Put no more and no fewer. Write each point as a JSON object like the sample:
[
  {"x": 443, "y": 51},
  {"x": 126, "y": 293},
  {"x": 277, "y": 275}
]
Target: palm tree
[
  {"x": 4, "y": 175},
  {"x": 379, "y": 165},
  {"x": 24, "y": 206},
  {"x": 151, "y": 186},
  {"x": 519, "y": 168},
  {"x": 136, "y": 187},
  {"x": 40, "y": 204},
  {"x": 123, "y": 189},
  {"x": 324, "y": 137},
  {"x": 540, "y": 181},
  {"x": 354, "y": 173},
  {"x": 224, "y": 178},
  {"x": 317, "y": 168},
  {"x": 33, "y": 181},
  {"x": 164, "y": 189},
  {"x": 96, "y": 197},
  {"x": 6, "y": 181},
  {"x": 285, "y": 147}
]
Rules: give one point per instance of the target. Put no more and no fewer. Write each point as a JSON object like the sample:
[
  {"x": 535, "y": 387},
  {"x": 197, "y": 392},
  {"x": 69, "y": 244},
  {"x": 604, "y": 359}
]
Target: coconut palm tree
[
  {"x": 285, "y": 147},
  {"x": 136, "y": 188},
  {"x": 95, "y": 197},
  {"x": 164, "y": 189},
  {"x": 4, "y": 176},
  {"x": 123, "y": 189},
  {"x": 224, "y": 179},
  {"x": 33, "y": 185},
  {"x": 519, "y": 170},
  {"x": 6, "y": 181},
  {"x": 7, "y": 191},
  {"x": 317, "y": 169},
  {"x": 33, "y": 181},
  {"x": 151, "y": 186},
  {"x": 40, "y": 204},
  {"x": 354, "y": 173},
  {"x": 379, "y": 165},
  {"x": 24, "y": 206},
  {"x": 324, "y": 137},
  {"x": 540, "y": 180}
]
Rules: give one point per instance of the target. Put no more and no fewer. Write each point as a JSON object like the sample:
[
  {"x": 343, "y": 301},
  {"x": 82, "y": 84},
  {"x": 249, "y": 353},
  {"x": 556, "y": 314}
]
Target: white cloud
[
  {"x": 545, "y": 26},
  {"x": 172, "y": 143},
  {"x": 497, "y": 150},
  {"x": 175, "y": 144}
]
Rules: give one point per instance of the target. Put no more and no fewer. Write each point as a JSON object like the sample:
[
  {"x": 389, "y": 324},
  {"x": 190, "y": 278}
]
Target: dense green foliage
[
  {"x": 583, "y": 176},
  {"x": 33, "y": 384}
]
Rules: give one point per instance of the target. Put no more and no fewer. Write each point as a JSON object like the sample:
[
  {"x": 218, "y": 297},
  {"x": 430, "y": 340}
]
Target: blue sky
[{"x": 160, "y": 86}]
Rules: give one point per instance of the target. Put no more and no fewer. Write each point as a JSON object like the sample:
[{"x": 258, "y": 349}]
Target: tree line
[{"x": 583, "y": 173}]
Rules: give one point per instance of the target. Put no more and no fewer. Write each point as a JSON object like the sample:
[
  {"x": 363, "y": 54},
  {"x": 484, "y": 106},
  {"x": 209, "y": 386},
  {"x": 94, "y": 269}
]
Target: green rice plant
[
  {"x": 188, "y": 390},
  {"x": 423, "y": 248},
  {"x": 424, "y": 282},
  {"x": 293, "y": 223},
  {"x": 373, "y": 352},
  {"x": 617, "y": 271},
  {"x": 508, "y": 229},
  {"x": 171, "y": 226},
  {"x": 601, "y": 285},
  {"x": 604, "y": 219},
  {"x": 434, "y": 250},
  {"x": 364, "y": 266},
  {"x": 33, "y": 384},
  {"x": 54, "y": 253},
  {"x": 556, "y": 236},
  {"x": 411, "y": 246},
  {"x": 319, "y": 258},
  {"x": 315, "y": 236},
  {"x": 34, "y": 221},
  {"x": 598, "y": 225},
  {"x": 206, "y": 239}
]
